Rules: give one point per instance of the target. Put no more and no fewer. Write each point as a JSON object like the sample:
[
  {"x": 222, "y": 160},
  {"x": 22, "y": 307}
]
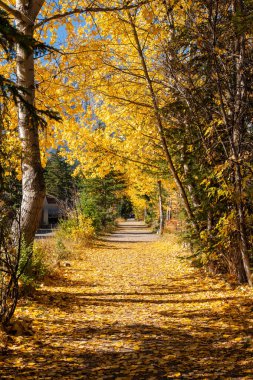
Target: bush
[
  {"x": 77, "y": 227},
  {"x": 60, "y": 249},
  {"x": 32, "y": 266}
]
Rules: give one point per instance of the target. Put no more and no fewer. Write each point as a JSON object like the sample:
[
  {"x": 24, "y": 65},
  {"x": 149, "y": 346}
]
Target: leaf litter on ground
[{"x": 134, "y": 311}]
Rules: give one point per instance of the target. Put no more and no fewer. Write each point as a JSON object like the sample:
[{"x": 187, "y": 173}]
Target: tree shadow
[
  {"x": 135, "y": 351},
  {"x": 112, "y": 239},
  {"x": 199, "y": 343},
  {"x": 62, "y": 300},
  {"x": 102, "y": 243}
]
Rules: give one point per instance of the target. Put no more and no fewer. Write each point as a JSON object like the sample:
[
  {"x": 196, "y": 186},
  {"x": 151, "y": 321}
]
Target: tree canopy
[{"x": 155, "y": 90}]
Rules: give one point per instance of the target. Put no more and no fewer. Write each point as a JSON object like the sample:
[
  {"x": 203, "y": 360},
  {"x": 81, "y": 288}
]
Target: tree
[
  {"x": 173, "y": 90},
  {"x": 126, "y": 208},
  {"x": 33, "y": 186},
  {"x": 211, "y": 110},
  {"x": 10, "y": 191},
  {"x": 58, "y": 178},
  {"x": 101, "y": 197}
]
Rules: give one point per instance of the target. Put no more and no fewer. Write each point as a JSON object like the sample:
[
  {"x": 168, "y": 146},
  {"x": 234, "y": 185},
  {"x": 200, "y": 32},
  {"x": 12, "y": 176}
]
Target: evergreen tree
[
  {"x": 58, "y": 178},
  {"x": 101, "y": 197}
]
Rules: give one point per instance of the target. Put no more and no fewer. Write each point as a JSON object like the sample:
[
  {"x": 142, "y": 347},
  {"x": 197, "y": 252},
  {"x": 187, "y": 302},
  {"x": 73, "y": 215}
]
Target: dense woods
[{"x": 146, "y": 101}]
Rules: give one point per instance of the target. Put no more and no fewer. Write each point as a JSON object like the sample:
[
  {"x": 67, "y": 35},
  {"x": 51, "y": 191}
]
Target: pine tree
[
  {"x": 101, "y": 197},
  {"x": 58, "y": 178}
]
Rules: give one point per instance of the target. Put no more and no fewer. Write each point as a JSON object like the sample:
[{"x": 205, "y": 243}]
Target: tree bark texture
[{"x": 33, "y": 187}]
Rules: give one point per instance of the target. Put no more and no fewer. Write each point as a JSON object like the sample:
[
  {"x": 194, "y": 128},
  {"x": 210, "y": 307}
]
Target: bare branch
[
  {"x": 90, "y": 10},
  {"x": 136, "y": 102}
]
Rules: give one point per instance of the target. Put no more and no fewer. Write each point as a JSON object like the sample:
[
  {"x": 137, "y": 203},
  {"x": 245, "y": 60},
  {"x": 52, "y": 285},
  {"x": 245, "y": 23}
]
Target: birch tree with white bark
[{"x": 28, "y": 18}]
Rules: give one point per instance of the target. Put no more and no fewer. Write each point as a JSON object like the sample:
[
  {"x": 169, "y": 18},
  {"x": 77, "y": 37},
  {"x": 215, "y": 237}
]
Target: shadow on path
[{"x": 133, "y": 313}]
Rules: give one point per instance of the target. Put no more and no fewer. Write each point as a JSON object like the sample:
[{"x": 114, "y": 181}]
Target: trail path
[
  {"x": 132, "y": 231},
  {"x": 134, "y": 311}
]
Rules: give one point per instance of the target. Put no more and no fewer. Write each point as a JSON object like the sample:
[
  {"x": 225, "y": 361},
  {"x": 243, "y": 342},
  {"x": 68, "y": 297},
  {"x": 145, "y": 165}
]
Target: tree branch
[
  {"x": 89, "y": 10},
  {"x": 123, "y": 157},
  {"x": 14, "y": 12},
  {"x": 36, "y": 7},
  {"x": 136, "y": 102}
]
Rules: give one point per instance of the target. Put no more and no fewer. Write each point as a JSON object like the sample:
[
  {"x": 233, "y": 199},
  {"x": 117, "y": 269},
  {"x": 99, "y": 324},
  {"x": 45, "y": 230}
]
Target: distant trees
[
  {"x": 101, "y": 198},
  {"x": 58, "y": 178},
  {"x": 126, "y": 208}
]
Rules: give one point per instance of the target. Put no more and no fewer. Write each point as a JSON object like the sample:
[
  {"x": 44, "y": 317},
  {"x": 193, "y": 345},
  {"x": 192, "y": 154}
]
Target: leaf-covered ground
[{"x": 134, "y": 311}]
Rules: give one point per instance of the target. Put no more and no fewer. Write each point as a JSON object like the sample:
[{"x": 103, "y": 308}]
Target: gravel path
[{"x": 132, "y": 231}]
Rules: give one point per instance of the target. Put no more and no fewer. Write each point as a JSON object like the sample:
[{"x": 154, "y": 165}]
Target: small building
[{"x": 50, "y": 211}]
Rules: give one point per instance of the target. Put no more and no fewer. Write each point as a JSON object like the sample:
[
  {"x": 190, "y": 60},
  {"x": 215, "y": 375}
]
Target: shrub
[
  {"x": 77, "y": 228},
  {"x": 32, "y": 266}
]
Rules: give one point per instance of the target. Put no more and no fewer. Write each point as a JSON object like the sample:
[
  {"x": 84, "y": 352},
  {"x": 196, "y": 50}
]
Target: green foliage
[
  {"x": 210, "y": 141},
  {"x": 32, "y": 267},
  {"x": 58, "y": 178},
  {"x": 9, "y": 37},
  {"x": 100, "y": 199},
  {"x": 150, "y": 215},
  {"x": 61, "y": 250}
]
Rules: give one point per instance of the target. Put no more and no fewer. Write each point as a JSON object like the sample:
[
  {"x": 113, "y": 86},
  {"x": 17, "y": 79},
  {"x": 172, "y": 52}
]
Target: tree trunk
[
  {"x": 160, "y": 202},
  {"x": 160, "y": 127},
  {"x": 233, "y": 111},
  {"x": 33, "y": 187},
  {"x": 169, "y": 210},
  {"x": 239, "y": 101},
  {"x": 187, "y": 172},
  {"x": 242, "y": 227}
]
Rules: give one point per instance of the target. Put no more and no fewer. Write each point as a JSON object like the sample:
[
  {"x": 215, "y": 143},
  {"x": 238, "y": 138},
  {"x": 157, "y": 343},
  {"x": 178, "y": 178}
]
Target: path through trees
[
  {"x": 133, "y": 311},
  {"x": 133, "y": 232}
]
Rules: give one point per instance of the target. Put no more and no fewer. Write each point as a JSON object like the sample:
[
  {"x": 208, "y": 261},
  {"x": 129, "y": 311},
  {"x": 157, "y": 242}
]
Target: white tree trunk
[{"x": 33, "y": 187}]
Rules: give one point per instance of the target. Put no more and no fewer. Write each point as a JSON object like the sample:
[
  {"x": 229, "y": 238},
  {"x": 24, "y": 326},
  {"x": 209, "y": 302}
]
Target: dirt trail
[
  {"x": 134, "y": 311},
  {"x": 132, "y": 231}
]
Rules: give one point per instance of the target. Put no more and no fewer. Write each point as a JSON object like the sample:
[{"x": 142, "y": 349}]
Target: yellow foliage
[{"x": 77, "y": 228}]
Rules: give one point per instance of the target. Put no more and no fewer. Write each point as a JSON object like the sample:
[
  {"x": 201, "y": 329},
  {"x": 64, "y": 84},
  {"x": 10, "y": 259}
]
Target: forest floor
[{"x": 133, "y": 310}]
